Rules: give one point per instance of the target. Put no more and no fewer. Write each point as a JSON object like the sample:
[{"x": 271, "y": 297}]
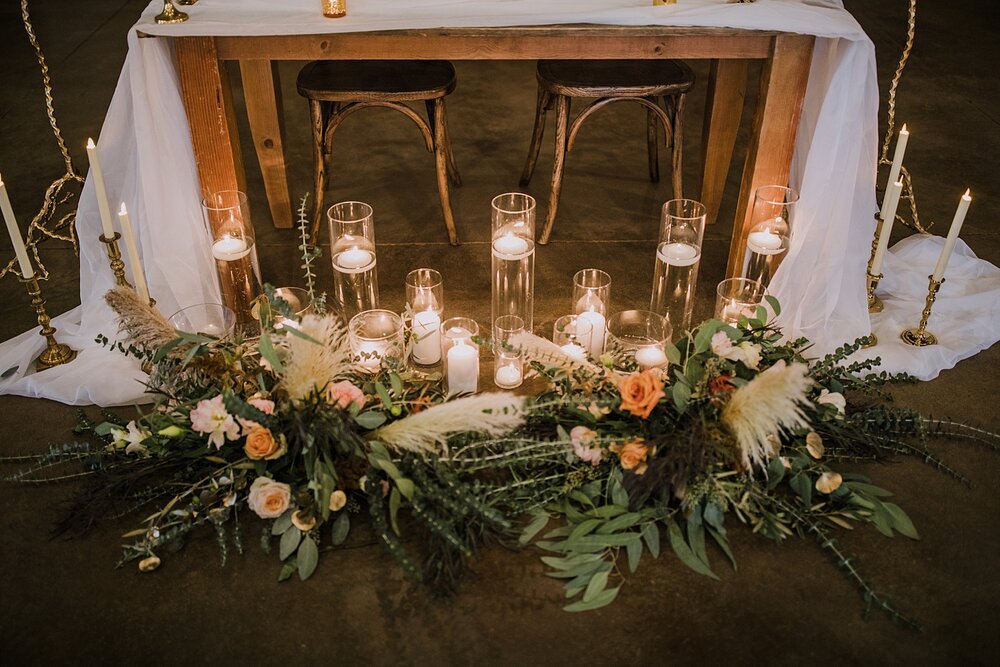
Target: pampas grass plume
[
  {"x": 312, "y": 364},
  {"x": 146, "y": 327}
]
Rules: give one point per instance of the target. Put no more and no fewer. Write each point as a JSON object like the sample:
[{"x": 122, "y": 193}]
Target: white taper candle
[
  {"x": 133, "y": 253},
  {"x": 949, "y": 243},
  {"x": 20, "y": 251},
  {"x": 891, "y": 203},
  {"x": 100, "y": 191},
  {"x": 897, "y": 158}
]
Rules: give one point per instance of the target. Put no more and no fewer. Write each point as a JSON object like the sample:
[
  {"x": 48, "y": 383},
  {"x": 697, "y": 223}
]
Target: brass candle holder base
[
  {"x": 115, "y": 259},
  {"x": 55, "y": 353},
  {"x": 919, "y": 336},
  {"x": 875, "y": 304},
  {"x": 170, "y": 14}
]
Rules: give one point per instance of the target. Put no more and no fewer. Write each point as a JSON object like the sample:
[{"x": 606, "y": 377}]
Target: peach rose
[
  {"x": 261, "y": 444},
  {"x": 269, "y": 499},
  {"x": 632, "y": 455},
  {"x": 641, "y": 392},
  {"x": 343, "y": 393}
]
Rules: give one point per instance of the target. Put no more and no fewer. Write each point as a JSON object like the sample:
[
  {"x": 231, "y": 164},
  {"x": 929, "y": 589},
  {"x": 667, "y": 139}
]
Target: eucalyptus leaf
[
  {"x": 775, "y": 472},
  {"x": 681, "y": 395},
  {"x": 673, "y": 354},
  {"x": 900, "y": 521},
  {"x": 371, "y": 419},
  {"x": 773, "y": 302},
  {"x": 268, "y": 352},
  {"x": 383, "y": 394},
  {"x": 586, "y": 528},
  {"x": 684, "y": 552},
  {"x": 620, "y": 523},
  {"x": 608, "y": 511},
  {"x": 651, "y": 534},
  {"x": 341, "y": 527},
  {"x": 606, "y": 597},
  {"x": 307, "y": 557},
  {"x": 533, "y": 528},
  {"x": 289, "y": 542},
  {"x": 634, "y": 551},
  {"x": 395, "y": 500},
  {"x": 869, "y": 489},
  {"x": 597, "y": 584},
  {"x": 406, "y": 487},
  {"x": 288, "y": 569},
  {"x": 723, "y": 542},
  {"x": 282, "y": 523}
]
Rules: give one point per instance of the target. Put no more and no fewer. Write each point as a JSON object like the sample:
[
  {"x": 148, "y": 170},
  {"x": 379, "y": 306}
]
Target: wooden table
[{"x": 786, "y": 58}]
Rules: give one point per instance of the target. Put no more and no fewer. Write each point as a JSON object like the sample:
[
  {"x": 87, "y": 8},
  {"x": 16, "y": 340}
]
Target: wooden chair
[
  {"x": 658, "y": 85},
  {"x": 336, "y": 89}
]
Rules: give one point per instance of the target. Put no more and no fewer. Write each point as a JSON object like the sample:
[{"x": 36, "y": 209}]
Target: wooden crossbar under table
[{"x": 783, "y": 78}]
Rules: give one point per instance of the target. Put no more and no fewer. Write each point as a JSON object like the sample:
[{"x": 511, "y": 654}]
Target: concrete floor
[{"x": 63, "y": 601}]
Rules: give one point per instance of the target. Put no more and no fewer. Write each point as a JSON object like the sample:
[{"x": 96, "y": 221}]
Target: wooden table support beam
[
  {"x": 262, "y": 94},
  {"x": 727, "y": 86}
]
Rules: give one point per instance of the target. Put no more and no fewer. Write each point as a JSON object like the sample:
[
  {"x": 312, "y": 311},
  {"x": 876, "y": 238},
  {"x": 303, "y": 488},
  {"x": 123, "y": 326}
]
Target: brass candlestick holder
[
  {"x": 55, "y": 352},
  {"x": 875, "y": 304},
  {"x": 919, "y": 336},
  {"x": 115, "y": 258},
  {"x": 170, "y": 14}
]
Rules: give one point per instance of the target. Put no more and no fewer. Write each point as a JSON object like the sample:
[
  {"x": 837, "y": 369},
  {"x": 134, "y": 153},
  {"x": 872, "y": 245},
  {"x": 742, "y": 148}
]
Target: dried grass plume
[
  {"x": 146, "y": 327},
  {"x": 765, "y": 406},
  {"x": 494, "y": 414},
  {"x": 311, "y": 364},
  {"x": 536, "y": 348}
]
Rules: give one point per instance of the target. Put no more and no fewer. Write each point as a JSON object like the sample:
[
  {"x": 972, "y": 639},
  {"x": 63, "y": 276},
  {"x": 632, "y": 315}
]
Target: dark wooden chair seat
[
  {"x": 335, "y": 89},
  {"x": 658, "y": 85}
]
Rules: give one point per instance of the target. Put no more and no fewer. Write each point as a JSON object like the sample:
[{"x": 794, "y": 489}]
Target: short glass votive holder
[
  {"x": 678, "y": 256},
  {"x": 592, "y": 300},
  {"x": 425, "y": 299},
  {"x": 736, "y": 297},
  {"x": 207, "y": 319},
  {"x": 227, "y": 220},
  {"x": 298, "y": 301},
  {"x": 461, "y": 355},
  {"x": 352, "y": 254},
  {"x": 334, "y": 9},
  {"x": 574, "y": 335},
  {"x": 770, "y": 230},
  {"x": 638, "y": 335},
  {"x": 513, "y": 256},
  {"x": 375, "y": 335},
  {"x": 508, "y": 367}
]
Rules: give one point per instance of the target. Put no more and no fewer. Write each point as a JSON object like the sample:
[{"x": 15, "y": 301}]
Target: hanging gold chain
[
  {"x": 907, "y": 194},
  {"x": 42, "y": 225}
]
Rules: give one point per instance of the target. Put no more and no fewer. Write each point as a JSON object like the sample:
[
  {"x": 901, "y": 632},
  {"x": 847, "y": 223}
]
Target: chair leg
[
  {"x": 319, "y": 167},
  {"x": 441, "y": 166},
  {"x": 677, "y": 171},
  {"x": 456, "y": 177},
  {"x": 544, "y": 99},
  {"x": 652, "y": 139},
  {"x": 558, "y": 163}
]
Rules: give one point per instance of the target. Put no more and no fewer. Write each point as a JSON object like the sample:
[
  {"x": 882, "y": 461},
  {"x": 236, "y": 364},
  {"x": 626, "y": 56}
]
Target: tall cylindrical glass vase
[
  {"x": 352, "y": 253},
  {"x": 227, "y": 219},
  {"x": 513, "y": 242},
  {"x": 678, "y": 256}
]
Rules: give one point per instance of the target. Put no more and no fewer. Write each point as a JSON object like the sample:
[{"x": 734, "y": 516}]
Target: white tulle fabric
[{"x": 148, "y": 161}]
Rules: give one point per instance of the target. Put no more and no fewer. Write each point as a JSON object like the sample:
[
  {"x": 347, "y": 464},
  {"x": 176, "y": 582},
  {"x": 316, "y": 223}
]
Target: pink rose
[
  {"x": 721, "y": 344},
  {"x": 343, "y": 394},
  {"x": 269, "y": 499},
  {"x": 583, "y": 439}
]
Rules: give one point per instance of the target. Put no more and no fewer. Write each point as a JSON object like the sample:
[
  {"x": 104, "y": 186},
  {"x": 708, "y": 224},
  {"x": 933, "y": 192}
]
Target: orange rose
[
  {"x": 261, "y": 444},
  {"x": 641, "y": 392},
  {"x": 632, "y": 455}
]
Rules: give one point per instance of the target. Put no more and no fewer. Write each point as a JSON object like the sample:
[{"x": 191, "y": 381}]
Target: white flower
[
  {"x": 722, "y": 345},
  {"x": 833, "y": 398},
  {"x": 131, "y": 438},
  {"x": 750, "y": 355}
]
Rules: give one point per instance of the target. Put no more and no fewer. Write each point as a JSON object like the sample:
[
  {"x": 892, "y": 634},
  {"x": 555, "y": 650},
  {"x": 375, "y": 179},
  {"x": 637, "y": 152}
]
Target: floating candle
[
  {"x": 354, "y": 259},
  {"x": 575, "y": 351},
  {"x": 764, "y": 242},
  {"x": 650, "y": 357},
  {"x": 509, "y": 245},
  {"x": 230, "y": 249},
  {"x": 678, "y": 254}
]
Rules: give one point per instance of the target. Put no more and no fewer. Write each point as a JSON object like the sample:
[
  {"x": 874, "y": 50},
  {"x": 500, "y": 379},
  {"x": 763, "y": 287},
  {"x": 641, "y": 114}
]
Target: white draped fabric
[{"x": 148, "y": 161}]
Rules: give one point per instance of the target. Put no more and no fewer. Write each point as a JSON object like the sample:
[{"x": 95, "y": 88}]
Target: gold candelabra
[
  {"x": 115, "y": 258},
  {"x": 919, "y": 336},
  {"x": 170, "y": 14},
  {"x": 55, "y": 352}
]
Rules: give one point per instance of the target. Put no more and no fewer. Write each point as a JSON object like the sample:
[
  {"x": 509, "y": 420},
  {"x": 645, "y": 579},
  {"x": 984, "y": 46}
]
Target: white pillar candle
[
  {"x": 353, "y": 259},
  {"x": 508, "y": 376},
  {"x": 133, "y": 253},
  {"x": 949, "y": 243},
  {"x": 427, "y": 337},
  {"x": 890, "y": 204},
  {"x": 463, "y": 368},
  {"x": 598, "y": 333},
  {"x": 99, "y": 190},
  {"x": 897, "y": 159},
  {"x": 14, "y": 231},
  {"x": 650, "y": 357}
]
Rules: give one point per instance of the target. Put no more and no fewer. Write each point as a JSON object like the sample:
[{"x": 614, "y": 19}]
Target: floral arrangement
[{"x": 597, "y": 469}]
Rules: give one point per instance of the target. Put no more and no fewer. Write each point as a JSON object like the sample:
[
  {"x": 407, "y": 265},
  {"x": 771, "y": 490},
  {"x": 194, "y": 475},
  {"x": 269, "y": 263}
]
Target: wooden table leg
[
  {"x": 783, "y": 81},
  {"x": 262, "y": 94},
  {"x": 209, "y": 105},
  {"x": 727, "y": 87}
]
